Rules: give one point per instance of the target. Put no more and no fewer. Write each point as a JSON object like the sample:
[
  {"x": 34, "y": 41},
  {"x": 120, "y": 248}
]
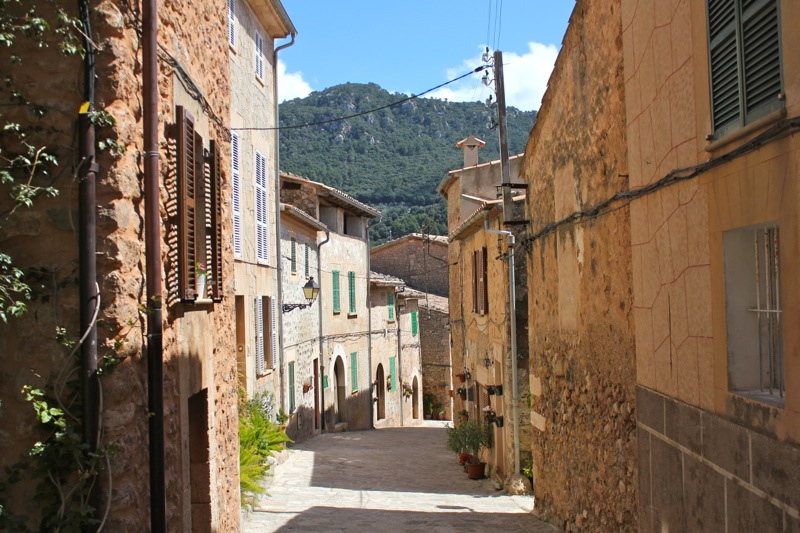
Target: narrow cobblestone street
[{"x": 398, "y": 480}]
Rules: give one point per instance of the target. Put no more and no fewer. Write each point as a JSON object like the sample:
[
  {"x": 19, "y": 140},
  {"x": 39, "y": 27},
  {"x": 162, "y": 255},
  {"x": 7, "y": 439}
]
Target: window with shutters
[
  {"x": 335, "y": 290},
  {"x": 351, "y": 292},
  {"x": 199, "y": 186},
  {"x": 745, "y": 62},
  {"x": 237, "y": 195},
  {"x": 259, "y": 42},
  {"x": 292, "y": 404},
  {"x": 393, "y": 373},
  {"x": 390, "y": 305},
  {"x": 293, "y": 257},
  {"x": 480, "y": 296},
  {"x": 354, "y": 371},
  {"x": 262, "y": 243},
  {"x": 305, "y": 260},
  {"x": 232, "y": 23},
  {"x": 414, "y": 323},
  {"x": 754, "y": 312},
  {"x": 266, "y": 334}
]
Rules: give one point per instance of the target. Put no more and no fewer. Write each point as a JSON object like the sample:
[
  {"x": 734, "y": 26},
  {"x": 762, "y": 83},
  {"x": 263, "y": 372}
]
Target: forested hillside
[{"x": 394, "y": 158}]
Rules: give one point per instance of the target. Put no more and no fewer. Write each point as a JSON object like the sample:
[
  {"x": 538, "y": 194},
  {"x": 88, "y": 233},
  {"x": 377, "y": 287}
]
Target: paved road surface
[{"x": 400, "y": 480}]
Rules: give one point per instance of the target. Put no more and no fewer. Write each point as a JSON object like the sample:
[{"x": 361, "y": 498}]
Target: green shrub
[{"x": 259, "y": 439}]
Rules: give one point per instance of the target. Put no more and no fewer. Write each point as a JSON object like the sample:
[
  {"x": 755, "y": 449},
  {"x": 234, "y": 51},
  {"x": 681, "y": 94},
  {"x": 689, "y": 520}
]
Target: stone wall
[
  {"x": 46, "y": 248},
  {"x": 421, "y": 264},
  {"x": 436, "y": 365},
  {"x": 580, "y": 301},
  {"x": 699, "y": 471}
]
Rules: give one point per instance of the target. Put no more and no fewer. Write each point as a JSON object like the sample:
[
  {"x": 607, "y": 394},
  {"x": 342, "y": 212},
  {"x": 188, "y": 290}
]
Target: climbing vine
[{"x": 60, "y": 465}]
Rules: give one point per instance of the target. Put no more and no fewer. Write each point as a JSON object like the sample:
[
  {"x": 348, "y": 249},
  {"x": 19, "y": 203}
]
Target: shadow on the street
[{"x": 333, "y": 519}]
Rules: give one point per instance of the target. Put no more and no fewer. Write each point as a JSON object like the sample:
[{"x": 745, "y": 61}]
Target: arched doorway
[
  {"x": 380, "y": 392},
  {"x": 415, "y": 399},
  {"x": 341, "y": 391}
]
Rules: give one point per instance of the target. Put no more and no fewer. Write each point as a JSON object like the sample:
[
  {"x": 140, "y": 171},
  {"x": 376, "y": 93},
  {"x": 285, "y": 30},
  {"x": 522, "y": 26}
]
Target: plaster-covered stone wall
[
  {"x": 198, "y": 358},
  {"x": 436, "y": 364},
  {"x": 580, "y": 300}
]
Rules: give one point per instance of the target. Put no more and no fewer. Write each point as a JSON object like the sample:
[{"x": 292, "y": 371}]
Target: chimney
[{"x": 471, "y": 145}]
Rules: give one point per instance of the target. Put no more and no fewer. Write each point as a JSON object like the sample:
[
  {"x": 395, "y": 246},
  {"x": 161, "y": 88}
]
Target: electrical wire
[
  {"x": 780, "y": 130},
  {"x": 362, "y": 113}
]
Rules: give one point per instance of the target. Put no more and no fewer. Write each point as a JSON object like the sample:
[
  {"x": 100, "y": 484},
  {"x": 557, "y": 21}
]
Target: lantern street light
[{"x": 310, "y": 291}]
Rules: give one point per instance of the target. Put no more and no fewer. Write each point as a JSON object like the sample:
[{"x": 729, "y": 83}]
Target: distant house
[
  {"x": 480, "y": 320},
  {"x": 345, "y": 391},
  {"x": 418, "y": 259},
  {"x": 395, "y": 348}
]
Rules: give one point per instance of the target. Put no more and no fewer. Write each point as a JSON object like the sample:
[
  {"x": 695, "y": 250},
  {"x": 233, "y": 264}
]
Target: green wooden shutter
[
  {"x": 393, "y": 372},
  {"x": 335, "y": 279},
  {"x": 294, "y": 255},
  {"x": 390, "y": 304},
  {"x": 291, "y": 387},
  {"x": 306, "y": 261},
  {"x": 414, "y": 325},
  {"x": 354, "y": 371},
  {"x": 351, "y": 287}
]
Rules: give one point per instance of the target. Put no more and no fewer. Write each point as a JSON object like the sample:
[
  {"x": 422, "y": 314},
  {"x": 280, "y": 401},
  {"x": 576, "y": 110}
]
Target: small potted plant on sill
[
  {"x": 388, "y": 382},
  {"x": 462, "y": 393},
  {"x": 489, "y": 415},
  {"x": 476, "y": 439},
  {"x": 201, "y": 272}
]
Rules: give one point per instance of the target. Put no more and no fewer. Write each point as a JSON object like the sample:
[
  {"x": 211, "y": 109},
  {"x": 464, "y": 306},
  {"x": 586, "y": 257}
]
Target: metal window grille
[{"x": 768, "y": 310}]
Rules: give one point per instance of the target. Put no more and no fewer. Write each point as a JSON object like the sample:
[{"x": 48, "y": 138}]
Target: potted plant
[
  {"x": 462, "y": 393},
  {"x": 463, "y": 415},
  {"x": 455, "y": 442},
  {"x": 489, "y": 415},
  {"x": 407, "y": 390},
  {"x": 476, "y": 437},
  {"x": 200, "y": 272},
  {"x": 462, "y": 377}
]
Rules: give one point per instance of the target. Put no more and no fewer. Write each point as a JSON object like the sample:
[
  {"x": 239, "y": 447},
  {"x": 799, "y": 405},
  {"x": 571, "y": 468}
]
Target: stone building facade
[
  {"x": 300, "y": 238},
  {"x": 715, "y": 262},
  {"x": 254, "y": 26},
  {"x": 418, "y": 259},
  {"x": 199, "y": 362},
  {"x": 395, "y": 353},
  {"x": 345, "y": 391},
  {"x": 421, "y": 262},
  {"x": 480, "y": 315},
  {"x": 581, "y": 333}
]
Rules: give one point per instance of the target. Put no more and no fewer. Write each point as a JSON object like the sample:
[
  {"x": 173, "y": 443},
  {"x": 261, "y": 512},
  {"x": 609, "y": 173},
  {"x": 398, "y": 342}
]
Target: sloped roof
[
  {"x": 436, "y": 239},
  {"x": 335, "y": 196}
]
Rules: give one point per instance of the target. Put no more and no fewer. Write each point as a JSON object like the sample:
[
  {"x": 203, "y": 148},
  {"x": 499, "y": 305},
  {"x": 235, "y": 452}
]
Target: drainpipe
[
  {"x": 321, "y": 354},
  {"x": 512, "y": 312},
  {"x": 278, "y": 262},
  {"x": 400, "y": 362},
  {"x": 87, "y": 250},
  {"x": 369, "y": 328},
  {"x": 154, "y": 348}
]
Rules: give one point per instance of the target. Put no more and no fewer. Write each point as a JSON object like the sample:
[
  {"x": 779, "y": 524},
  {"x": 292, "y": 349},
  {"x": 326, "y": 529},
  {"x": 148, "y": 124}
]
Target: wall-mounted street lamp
[{"x": 310, "y": 291}]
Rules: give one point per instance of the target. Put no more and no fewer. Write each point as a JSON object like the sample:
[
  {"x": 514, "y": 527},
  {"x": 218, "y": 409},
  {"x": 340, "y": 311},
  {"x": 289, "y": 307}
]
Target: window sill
[
  {"x": 745, "y": 130},
  {"x": 352, "y": 315},
  {"x": 260, "y": 80},
  {"x": 762, "y": 397}
]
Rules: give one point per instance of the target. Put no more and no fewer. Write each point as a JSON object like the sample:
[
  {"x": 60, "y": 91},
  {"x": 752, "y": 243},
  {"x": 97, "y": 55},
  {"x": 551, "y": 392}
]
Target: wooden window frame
[
  {"x": 199, "y": 191},
  {"x": 744, "y": 53}
]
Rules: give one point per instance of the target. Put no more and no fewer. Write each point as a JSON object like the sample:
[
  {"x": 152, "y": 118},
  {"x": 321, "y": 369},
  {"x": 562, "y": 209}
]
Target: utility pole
[{"x": 507, "y": 219}]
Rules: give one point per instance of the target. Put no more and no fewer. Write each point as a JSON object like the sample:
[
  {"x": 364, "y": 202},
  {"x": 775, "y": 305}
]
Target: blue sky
[{"x": 414, "y": 45}]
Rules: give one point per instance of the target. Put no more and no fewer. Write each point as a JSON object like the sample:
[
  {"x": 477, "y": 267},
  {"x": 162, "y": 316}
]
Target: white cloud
[
  {"x": 525, "y": 76},
  {"x": 291, "y": 84}
]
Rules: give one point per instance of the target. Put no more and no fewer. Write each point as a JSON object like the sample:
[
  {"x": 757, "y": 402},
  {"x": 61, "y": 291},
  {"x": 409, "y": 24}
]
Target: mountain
[{"x": 392, "y": 158}]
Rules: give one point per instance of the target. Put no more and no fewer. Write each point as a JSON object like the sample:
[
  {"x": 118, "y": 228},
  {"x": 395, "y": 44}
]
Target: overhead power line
[{"x": 393, "y": 104}]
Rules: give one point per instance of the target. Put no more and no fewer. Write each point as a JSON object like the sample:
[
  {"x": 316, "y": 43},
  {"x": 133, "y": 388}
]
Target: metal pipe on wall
[{"x": 154, "y": 347}]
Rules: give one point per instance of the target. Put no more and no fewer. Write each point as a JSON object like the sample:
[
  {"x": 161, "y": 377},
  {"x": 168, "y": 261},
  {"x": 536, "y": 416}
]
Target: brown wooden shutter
[
  {"x": 485, "y": 282},
  {"x": 187, "y": 216},
  {"x": 216, "y": 220},
  {"x": 474, "y": 282}
]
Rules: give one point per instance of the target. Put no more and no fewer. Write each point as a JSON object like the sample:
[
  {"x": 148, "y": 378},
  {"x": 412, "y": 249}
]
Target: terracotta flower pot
[
  {"x": 463, "y": 458},
  {"x": 476, "y": 470}
]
